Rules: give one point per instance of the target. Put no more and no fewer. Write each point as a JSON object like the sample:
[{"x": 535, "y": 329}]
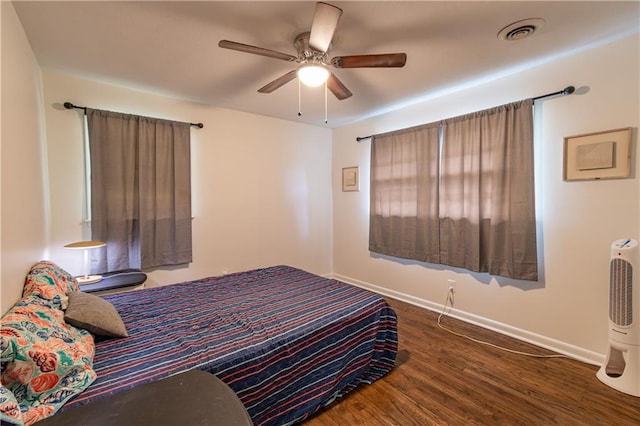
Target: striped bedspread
[{"x": 286, "y": 341}]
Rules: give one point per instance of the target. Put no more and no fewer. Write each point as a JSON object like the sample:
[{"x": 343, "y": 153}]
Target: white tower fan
[{"x": 621, "y": 369}]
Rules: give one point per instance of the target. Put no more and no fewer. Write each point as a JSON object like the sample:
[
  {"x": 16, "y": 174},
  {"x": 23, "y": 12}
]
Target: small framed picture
[
  {"x": 350, "y": 181},
  {"x": 600, "y": 155}
]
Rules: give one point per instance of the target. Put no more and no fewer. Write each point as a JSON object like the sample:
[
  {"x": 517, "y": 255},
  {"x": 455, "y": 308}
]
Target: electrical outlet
[{"x": 452, "y": 285}]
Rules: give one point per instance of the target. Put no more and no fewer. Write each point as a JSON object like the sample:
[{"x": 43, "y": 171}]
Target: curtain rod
[
  {"x": 69, "y": 105},
  {"x": 566, "y": 91}
]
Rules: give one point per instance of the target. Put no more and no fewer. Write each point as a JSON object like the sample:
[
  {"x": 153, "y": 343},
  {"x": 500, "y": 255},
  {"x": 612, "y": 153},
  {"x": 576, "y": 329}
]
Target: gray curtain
[
  {"x": 487, "y": 204},
  {"x": 464, "y": 199},
  {"x": 140, "y": 190},
  {"x": 404, "y": 194}
]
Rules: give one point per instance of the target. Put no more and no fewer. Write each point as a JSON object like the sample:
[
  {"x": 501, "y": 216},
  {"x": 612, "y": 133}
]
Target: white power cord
[{"x": 450, "y": 300}]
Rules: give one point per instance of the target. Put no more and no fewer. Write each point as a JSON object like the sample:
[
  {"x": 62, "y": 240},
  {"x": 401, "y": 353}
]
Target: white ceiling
[{"x": 171, "y": 48}]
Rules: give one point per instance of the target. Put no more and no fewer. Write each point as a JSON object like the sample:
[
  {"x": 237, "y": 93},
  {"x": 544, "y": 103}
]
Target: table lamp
[{"x": 86, "y": 246}]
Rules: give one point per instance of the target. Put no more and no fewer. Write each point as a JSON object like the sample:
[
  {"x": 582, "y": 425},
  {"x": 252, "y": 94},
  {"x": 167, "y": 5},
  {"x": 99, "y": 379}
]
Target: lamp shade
[
  {"x": 86, "y": 246},
  {"x": 313, "y": 75}
]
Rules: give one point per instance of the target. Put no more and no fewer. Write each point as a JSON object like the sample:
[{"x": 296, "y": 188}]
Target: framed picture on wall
[
  {"x": 600, "y": 155},
  {"x": 350, "y": 181}
]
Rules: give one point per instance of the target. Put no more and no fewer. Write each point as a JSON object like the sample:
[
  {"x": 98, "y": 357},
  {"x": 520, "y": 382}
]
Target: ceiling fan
[{"x": 312, "y": 48}]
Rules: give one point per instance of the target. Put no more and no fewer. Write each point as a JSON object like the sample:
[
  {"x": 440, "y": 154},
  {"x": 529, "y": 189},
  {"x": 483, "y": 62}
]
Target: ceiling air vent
[{"x": 521, "y": 29}]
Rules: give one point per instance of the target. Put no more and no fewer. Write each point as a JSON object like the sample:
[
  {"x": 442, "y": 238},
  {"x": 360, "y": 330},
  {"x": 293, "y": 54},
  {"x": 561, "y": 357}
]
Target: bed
[{"x": 287, "y": 342}]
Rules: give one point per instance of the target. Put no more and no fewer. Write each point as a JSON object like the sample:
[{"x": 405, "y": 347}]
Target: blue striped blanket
[{"x": 286, "y": 341}]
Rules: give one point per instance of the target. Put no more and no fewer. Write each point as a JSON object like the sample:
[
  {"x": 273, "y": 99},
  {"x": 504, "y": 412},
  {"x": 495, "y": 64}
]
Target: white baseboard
[{"x": 572, "y": 351}]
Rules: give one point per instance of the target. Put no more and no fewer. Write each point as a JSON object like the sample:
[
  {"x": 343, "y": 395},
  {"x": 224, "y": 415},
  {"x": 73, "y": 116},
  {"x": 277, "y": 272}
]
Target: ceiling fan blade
[
  {"x": 325, "y": 21},
  {"x": 338, "y": 88},
  {"x": 385, "y": 60},
  {"x": 278, "y": 82},
  {"x": 226, "y": 44}
]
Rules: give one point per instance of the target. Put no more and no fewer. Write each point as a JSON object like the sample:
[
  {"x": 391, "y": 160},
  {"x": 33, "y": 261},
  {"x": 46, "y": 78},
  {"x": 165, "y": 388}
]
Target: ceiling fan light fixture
[{"x": 313, "y": 75}]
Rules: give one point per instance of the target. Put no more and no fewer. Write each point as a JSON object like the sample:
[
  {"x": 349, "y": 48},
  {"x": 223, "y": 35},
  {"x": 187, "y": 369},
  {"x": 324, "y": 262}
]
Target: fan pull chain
[
  {"x": 325, "y": 102},
  {"x": 299, "y": 100}
]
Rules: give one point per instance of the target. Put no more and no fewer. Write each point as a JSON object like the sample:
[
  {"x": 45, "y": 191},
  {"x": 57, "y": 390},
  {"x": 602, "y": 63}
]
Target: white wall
[
  {"x": 567, "y": 309},
  {"x": 24, "y": 197},
  {"x": 261, "y": 187}
]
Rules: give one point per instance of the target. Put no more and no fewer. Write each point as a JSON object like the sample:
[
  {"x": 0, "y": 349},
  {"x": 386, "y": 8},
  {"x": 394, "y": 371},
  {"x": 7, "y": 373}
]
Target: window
[
  {"x": 459, "y": 192},
  {"x": 140, "y": 190}
]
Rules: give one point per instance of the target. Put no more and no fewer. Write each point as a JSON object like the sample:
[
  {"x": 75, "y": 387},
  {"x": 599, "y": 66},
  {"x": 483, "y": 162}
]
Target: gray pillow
[{"x": 94, "y": 314}]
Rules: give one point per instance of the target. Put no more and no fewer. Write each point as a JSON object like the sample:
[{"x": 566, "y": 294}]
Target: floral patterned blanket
[{"x": 44, "y": 360}]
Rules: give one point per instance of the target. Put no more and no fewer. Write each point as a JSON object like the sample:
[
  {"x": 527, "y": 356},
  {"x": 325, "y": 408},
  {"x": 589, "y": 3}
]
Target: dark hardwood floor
[{"x": 442, "y": 379}]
